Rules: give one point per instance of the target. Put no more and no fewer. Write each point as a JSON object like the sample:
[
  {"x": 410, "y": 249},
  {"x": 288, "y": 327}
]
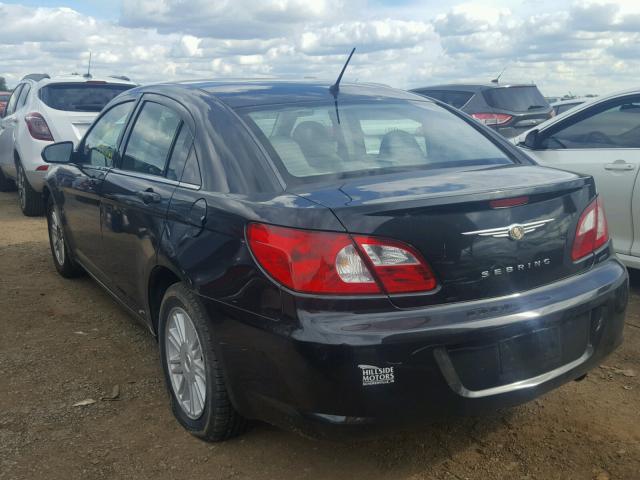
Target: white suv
[{"x": 43, "y": 110}]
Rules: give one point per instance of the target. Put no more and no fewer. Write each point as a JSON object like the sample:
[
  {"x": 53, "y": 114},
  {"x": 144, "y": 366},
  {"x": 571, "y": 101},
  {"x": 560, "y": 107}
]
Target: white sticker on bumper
[{"x": 375, "y": 375}]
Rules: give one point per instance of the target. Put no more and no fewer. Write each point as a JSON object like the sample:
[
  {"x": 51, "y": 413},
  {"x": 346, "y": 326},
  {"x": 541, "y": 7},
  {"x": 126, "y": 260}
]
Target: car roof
[
  {"x": 473, "y": 87},
  {"x": 244, "y": 93},
  {"x": 79, "y": 79}
]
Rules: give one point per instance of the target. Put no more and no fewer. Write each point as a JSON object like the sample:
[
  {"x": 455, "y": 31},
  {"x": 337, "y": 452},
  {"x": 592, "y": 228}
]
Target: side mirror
[
  {"x": 60, "y": 152},
  {"x": 532, "y": 139}
]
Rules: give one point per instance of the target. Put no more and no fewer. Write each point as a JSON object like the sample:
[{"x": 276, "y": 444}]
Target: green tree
[{"x": 3, "y": 84}]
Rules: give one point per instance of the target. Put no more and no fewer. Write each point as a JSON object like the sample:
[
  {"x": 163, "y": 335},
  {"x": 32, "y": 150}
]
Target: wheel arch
[{"x": 160, "y": 279}]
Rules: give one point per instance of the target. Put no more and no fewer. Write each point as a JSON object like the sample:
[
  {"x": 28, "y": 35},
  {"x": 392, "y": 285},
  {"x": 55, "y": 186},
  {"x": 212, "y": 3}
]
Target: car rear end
[
  {"x": 511, "y": 110},
  {"x": 460, "y": 278},
  {"x": 62, "y": 110}
]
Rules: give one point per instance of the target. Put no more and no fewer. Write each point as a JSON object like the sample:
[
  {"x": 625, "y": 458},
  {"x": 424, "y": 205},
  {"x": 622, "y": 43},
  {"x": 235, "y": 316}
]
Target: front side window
[
  {"x": 101, "y": 142},
  {"x": 607, "y": 127},
  {"x": 370, "y": 138},
  {"x": 151, "y": 139}
]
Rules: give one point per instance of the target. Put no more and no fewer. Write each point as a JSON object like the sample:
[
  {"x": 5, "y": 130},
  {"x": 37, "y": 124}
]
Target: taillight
[
  {"x": 592, "y": 231},
  {"x": 509, "y": 202},
  {"x": 492, "y": 118},
  {"x": 331, "y": 263},
  {"x": 38, "y": 127}
]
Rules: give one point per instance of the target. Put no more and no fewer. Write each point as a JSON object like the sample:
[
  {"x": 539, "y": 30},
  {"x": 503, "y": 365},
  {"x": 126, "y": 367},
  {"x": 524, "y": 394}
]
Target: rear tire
[
  {"x": 6, "y": 184},
  {"x": 31, "y": 202},
  {"x": 62, "y": 258},
  {"x": 192, "y": 370}
]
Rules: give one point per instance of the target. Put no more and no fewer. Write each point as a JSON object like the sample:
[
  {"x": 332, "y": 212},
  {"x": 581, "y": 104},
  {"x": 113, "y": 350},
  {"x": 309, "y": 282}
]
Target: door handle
[
  {"x": 619, "y": 165},
  {"x": 149, "y": 196}
]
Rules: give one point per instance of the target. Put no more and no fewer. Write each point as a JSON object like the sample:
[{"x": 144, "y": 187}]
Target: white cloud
[{"x": 579, "y": 46}]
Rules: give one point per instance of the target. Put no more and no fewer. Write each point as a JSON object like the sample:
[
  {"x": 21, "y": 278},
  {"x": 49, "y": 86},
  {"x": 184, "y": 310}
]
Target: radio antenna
[
  {"x": 497, "y": 79},
  {"x": 335, "y": 88},
  {"x": 88, "y": 74}
]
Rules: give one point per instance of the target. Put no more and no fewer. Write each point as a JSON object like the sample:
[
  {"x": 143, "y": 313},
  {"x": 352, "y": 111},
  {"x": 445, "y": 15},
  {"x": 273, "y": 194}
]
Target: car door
[
  {"x": 7, "y": 127},
  {"x": 137, "y": 194},
  {"x": 602, "y": 141},
  {"x": 92, "y": 161}
]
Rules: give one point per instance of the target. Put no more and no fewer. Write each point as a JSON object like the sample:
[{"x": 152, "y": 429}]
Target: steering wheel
[{"x": 597, "y": 137}]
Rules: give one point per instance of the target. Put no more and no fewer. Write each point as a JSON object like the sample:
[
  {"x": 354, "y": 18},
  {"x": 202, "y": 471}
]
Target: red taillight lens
[
  {"x": 592, "y": 231},
  {"x": 399, "y": 267},
  {"x": 310, "y": 261},
  {"x": 38, "y": 127},
  {"x": 492, "y": 118}
]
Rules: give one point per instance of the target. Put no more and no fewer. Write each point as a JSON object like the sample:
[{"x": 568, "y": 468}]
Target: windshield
[
  {"x": 80, "y": 97},
  {"x": 516, "y": 99},
  {"x": 307, "y": 142}
]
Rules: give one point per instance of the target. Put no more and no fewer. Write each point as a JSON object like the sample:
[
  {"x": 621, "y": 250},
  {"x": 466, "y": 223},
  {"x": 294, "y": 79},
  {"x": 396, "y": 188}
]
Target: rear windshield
[
  {"x": 516, "y": 99},
  {"x": 308, "y": 142},
  {"x": 454, "y": 98},
  {"x": 80, "y": 97}
]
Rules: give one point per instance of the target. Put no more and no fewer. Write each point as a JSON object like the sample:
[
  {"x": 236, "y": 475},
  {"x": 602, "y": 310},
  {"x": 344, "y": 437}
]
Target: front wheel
[
  {"x": 194, "y": 377},
  {"x": 31, "y": 202},
  {"x": 62, "y": 259}
]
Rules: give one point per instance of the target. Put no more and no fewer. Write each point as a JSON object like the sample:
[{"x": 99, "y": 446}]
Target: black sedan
[{"x": 327, "y": 260}]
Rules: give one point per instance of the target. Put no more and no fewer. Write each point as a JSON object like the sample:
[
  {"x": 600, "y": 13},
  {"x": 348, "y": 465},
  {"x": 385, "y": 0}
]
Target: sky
[{"x": 564, "y": 46}]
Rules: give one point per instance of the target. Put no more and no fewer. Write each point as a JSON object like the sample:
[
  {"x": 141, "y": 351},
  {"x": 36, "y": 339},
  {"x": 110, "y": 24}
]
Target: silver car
[{"x": 601, "y": 138}]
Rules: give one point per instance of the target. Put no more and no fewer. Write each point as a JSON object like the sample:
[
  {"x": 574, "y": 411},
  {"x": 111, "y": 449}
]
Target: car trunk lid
[{"x": 448, "y": 216}]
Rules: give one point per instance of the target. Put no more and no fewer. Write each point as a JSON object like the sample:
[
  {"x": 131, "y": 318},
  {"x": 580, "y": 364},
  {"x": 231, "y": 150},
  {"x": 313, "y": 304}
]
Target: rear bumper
[{"x": 355, "y": 370}]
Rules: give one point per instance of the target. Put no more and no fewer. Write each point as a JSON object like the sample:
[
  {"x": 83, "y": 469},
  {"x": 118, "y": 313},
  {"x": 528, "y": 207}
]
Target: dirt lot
[{"x": 65, "y": 341}]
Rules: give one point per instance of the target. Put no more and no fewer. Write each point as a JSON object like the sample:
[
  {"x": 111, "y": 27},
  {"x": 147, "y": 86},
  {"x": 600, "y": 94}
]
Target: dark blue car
[{"x": 326, "y": 261}]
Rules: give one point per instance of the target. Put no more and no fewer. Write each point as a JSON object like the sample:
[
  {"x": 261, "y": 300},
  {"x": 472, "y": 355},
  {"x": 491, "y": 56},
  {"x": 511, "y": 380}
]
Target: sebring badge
[{"x": 517, "y": 231}]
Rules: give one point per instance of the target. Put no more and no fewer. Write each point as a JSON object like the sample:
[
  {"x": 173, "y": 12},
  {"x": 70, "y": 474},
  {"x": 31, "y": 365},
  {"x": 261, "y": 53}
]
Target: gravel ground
[{"x": 64, "y": 341}]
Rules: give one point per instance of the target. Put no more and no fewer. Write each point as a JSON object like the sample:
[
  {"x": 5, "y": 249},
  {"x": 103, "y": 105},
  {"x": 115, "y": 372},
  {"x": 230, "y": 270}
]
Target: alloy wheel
[
  {"x": 185, "y": 363},
  {"x": 21, "y": 187},
  {"x": 57, "y": 237}
]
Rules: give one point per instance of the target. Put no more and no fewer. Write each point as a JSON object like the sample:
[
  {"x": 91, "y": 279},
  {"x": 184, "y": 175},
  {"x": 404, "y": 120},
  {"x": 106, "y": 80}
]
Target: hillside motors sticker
[{"x": 375, "y": 375}]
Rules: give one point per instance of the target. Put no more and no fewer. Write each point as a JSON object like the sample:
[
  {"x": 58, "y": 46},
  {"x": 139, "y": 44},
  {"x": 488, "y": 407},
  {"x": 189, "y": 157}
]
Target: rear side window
[
  {"x": 80, "y": 97},
  {"x": 11, "y": 106},
  {"x": 151, "y": 139},
  {"x": 23, "y": 95},
  {"x": 180, "y": 152},
  {"x": 191, "y": 174},
  {"x": 516, "y": 99},
  {"x": 456, "y": 99}
]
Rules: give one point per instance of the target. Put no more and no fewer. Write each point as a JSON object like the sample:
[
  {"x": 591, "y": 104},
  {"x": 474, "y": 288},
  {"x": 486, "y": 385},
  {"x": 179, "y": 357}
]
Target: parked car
[
  {"x": 334, "y": 259},
  {"x": 600, "y": 138},
  {"x": 4, "y": 98},
  {"x": 43, "y": 110},
  {"x": 562, "y": 106},
  {"x": 509, "y": 109}
]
